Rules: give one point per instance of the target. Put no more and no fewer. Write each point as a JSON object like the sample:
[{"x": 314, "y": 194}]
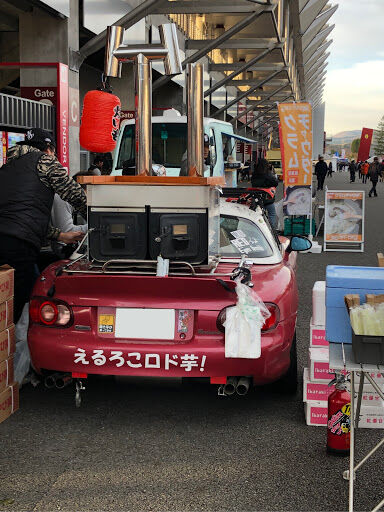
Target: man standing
[
  {"x": 321, "y": 170},
  {"x": 29, "y": 181},
  {"x": 374, "y": 173},
  {"x": 352, "y": 171}
]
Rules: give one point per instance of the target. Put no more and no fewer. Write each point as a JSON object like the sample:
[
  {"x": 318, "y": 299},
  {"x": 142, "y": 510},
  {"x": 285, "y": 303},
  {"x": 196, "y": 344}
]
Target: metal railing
[{"x": 22, "y": 113}]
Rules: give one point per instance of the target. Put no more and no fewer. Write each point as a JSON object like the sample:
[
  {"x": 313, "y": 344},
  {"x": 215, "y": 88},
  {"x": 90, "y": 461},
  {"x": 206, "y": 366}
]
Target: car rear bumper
[{"x": 81, "y": 352}]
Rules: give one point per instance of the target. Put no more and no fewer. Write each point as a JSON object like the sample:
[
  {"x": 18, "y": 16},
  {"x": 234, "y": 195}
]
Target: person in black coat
[
  {"x": 321, "y": 170},
  {"x": 264, "y": 179},
  {"x": 352, "y": 171}
]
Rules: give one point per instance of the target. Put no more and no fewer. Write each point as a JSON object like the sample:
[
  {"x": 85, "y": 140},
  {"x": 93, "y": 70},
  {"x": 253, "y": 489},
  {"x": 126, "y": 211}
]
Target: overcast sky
[{"x": 354, "y": 90}]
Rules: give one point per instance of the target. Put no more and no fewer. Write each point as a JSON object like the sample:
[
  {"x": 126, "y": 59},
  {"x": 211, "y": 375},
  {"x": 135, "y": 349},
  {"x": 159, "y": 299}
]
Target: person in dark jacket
[
  {"x": 264, "y": 179},
  {"x": 330, "y": 170},
  {"x": 352, "y": 171},
  {"x": 29, "y": 181},
  {"x": 321, "y": 170},
  {"x": 374, "y": 173}
]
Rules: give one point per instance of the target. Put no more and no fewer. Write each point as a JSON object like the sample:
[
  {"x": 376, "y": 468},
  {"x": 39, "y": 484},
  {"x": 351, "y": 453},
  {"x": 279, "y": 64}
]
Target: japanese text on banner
[{"x": 296, "y": 142}]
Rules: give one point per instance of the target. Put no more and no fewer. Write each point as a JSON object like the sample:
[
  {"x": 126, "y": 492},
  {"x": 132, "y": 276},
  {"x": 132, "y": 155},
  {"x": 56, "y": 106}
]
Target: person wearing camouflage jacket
[{"x": 29, "y": 181}]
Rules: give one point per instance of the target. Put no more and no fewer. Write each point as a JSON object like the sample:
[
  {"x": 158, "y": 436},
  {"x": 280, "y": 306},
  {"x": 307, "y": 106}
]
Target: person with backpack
[{"x": 364, "y": 171}]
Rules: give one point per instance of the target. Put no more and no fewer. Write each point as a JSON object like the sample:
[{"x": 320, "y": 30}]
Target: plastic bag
[
  {"x": 22, "y": 358},
  {"x": 243, "y": 324}
]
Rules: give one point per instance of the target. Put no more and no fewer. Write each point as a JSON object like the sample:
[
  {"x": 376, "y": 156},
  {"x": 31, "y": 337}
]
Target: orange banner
[{"x": 296, "y": 143}]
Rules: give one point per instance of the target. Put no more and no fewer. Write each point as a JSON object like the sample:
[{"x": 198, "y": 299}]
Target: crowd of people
[{"x": 373, "y": 172}]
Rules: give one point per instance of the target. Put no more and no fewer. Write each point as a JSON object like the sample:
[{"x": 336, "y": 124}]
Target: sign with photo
[{"x": 344, "y": 217}]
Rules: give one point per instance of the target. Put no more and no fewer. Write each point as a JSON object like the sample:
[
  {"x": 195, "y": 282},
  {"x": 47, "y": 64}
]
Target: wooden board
[
  {"x": 151, "y": 180},
  {"x": 380, "y": 259}
]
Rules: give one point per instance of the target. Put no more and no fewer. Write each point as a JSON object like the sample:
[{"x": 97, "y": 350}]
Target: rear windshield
[
  {"x": 169, "y": 143},
  {"x": 240, "y": 236}
]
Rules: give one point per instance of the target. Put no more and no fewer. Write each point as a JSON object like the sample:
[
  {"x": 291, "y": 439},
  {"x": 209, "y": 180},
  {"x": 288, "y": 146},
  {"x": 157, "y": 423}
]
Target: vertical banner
[
  {"x": 296, "y": 150},
  {"x": 365, "y": 144},
  {"x": 62, "y": 115}
]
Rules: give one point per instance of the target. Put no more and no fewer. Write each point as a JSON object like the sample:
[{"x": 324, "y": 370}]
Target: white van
[{"x": 169, "y": 144}]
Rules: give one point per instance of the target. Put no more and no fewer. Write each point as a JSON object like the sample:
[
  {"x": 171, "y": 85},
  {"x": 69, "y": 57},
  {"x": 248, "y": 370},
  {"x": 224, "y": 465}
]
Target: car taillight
[
  {"x": 272, "y": 321},
  {"x": 269, "y": 324},
  {"x": 50, "y": 312}
]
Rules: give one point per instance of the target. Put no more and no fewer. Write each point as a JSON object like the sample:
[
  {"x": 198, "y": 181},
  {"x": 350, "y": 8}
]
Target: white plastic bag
[
  {"x": 243, "y": 324},
  {"x": 22, "y": 358}
]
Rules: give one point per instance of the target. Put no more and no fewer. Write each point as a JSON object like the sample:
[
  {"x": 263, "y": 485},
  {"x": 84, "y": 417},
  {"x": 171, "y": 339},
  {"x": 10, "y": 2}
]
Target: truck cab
[{"x": 169, "y": 146}]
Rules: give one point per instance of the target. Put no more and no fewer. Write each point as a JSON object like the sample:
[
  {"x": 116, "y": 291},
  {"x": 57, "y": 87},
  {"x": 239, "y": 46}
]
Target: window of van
[{"x": 169, "y": 143}]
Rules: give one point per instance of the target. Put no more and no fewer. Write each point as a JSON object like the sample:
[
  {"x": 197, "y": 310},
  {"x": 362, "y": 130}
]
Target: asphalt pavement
[{"x": 143, "y": 445}]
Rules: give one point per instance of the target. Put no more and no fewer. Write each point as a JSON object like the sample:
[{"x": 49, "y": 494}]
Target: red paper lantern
[{"x": 100, "y": 121}]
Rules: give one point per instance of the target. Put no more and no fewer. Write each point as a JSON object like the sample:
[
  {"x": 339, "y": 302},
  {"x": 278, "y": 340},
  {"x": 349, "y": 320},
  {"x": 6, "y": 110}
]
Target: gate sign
[{"x": 296, "y": 150}]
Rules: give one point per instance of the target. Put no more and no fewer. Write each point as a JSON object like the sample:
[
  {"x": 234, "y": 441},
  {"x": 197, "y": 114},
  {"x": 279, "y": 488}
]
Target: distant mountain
[{"x": 346, "y": 137}]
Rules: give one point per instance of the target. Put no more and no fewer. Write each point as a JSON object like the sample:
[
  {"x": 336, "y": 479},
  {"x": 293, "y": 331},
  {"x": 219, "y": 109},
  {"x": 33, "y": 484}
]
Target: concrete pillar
[
  {"x": 45, "y": 38},
  {"x": 318, "y": 115}
]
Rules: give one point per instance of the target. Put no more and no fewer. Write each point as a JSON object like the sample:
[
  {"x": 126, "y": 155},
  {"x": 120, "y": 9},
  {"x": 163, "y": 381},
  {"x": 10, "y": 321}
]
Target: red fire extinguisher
[{"x": 339, "y": 415}]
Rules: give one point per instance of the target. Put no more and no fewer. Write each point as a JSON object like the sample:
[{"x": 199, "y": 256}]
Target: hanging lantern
[{"x": 100, "y": 121}]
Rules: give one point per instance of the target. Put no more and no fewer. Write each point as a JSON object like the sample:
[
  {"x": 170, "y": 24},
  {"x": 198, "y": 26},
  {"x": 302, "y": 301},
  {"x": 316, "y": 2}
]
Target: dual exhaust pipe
[
  {"x": 237, "y": 385},
  {"x": 58, "y": 380}
]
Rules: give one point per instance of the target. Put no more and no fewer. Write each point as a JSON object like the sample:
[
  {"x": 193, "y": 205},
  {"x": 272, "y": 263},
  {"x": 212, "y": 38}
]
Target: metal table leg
[
  {"x": 359, "y": 397},
  {"x": 352, "y": 444}
]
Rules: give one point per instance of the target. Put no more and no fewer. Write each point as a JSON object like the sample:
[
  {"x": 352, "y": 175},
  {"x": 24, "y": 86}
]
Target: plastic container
[
  {"x": 368, "y": 349},
  {"x": 343, "y": 281}
]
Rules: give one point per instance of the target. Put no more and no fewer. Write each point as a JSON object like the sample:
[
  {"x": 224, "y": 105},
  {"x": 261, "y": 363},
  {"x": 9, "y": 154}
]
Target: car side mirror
[{"x": 299, "y": 243}]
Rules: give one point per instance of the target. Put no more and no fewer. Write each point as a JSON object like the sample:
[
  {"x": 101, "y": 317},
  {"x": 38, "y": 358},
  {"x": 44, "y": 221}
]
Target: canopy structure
[{"x": 255, "y": 52}]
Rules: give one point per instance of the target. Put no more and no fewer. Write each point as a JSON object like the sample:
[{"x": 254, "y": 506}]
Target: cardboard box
[
  {"x": 9, "y": 401},
  {"x": 6, "y": 373},
  {"x": 7, "y": 343},
  {"x": 376, "y": 376},
  {"x": 371, "y": 417},
  {"x": 317, "y": 335},
  {"x": 319, "y": 370},
  {"x": 6, "y": 283},
  {"x": 316, "y": 413},
  {"x": 6, "y": 314}
]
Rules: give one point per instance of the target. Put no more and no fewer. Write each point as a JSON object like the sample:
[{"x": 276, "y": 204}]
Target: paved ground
[{"x": 141, "y": 446}]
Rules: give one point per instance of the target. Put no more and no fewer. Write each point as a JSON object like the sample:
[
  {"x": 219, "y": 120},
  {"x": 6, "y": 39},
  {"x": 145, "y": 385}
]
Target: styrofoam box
[
  {"x": 319, "y": 370},
  {"x": 371, "y": 417},
  {"x": 316, "y": 413},
  {"x": 317, "y": 335},
  {"x": 318, "y": 303}
]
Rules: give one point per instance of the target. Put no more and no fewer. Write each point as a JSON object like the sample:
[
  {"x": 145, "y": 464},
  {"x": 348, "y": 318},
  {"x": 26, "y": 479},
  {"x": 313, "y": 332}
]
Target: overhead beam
[
  {"x": 261, "y": 114},
  {"x": 208, "y": 7},
  {"x": 244, "y": 94},
  {"x": 260, "y": 67},
  {"x": 233, "y": 44},
  {"x": 212, "y": 44},
  {"x": 237, "y": 72},
  {"x": 279, "y": 81},
  {"x": 252, "y": 106}
]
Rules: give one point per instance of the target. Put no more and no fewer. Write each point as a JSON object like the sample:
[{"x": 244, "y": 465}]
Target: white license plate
[{"x": 138, "y": 323}]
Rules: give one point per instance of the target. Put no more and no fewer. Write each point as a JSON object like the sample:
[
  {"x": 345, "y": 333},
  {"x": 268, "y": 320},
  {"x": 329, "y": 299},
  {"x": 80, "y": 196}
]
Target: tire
[{"x": 287, "y": 384}]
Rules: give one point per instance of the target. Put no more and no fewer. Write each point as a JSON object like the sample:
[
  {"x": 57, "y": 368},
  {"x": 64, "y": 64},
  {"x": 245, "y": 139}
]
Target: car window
[
  {"x": 169, "y": 143},
  {"x": 240, "y": 236}
]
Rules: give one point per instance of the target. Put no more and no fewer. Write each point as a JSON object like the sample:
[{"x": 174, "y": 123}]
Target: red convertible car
[{"x": 120, "y": 318}]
